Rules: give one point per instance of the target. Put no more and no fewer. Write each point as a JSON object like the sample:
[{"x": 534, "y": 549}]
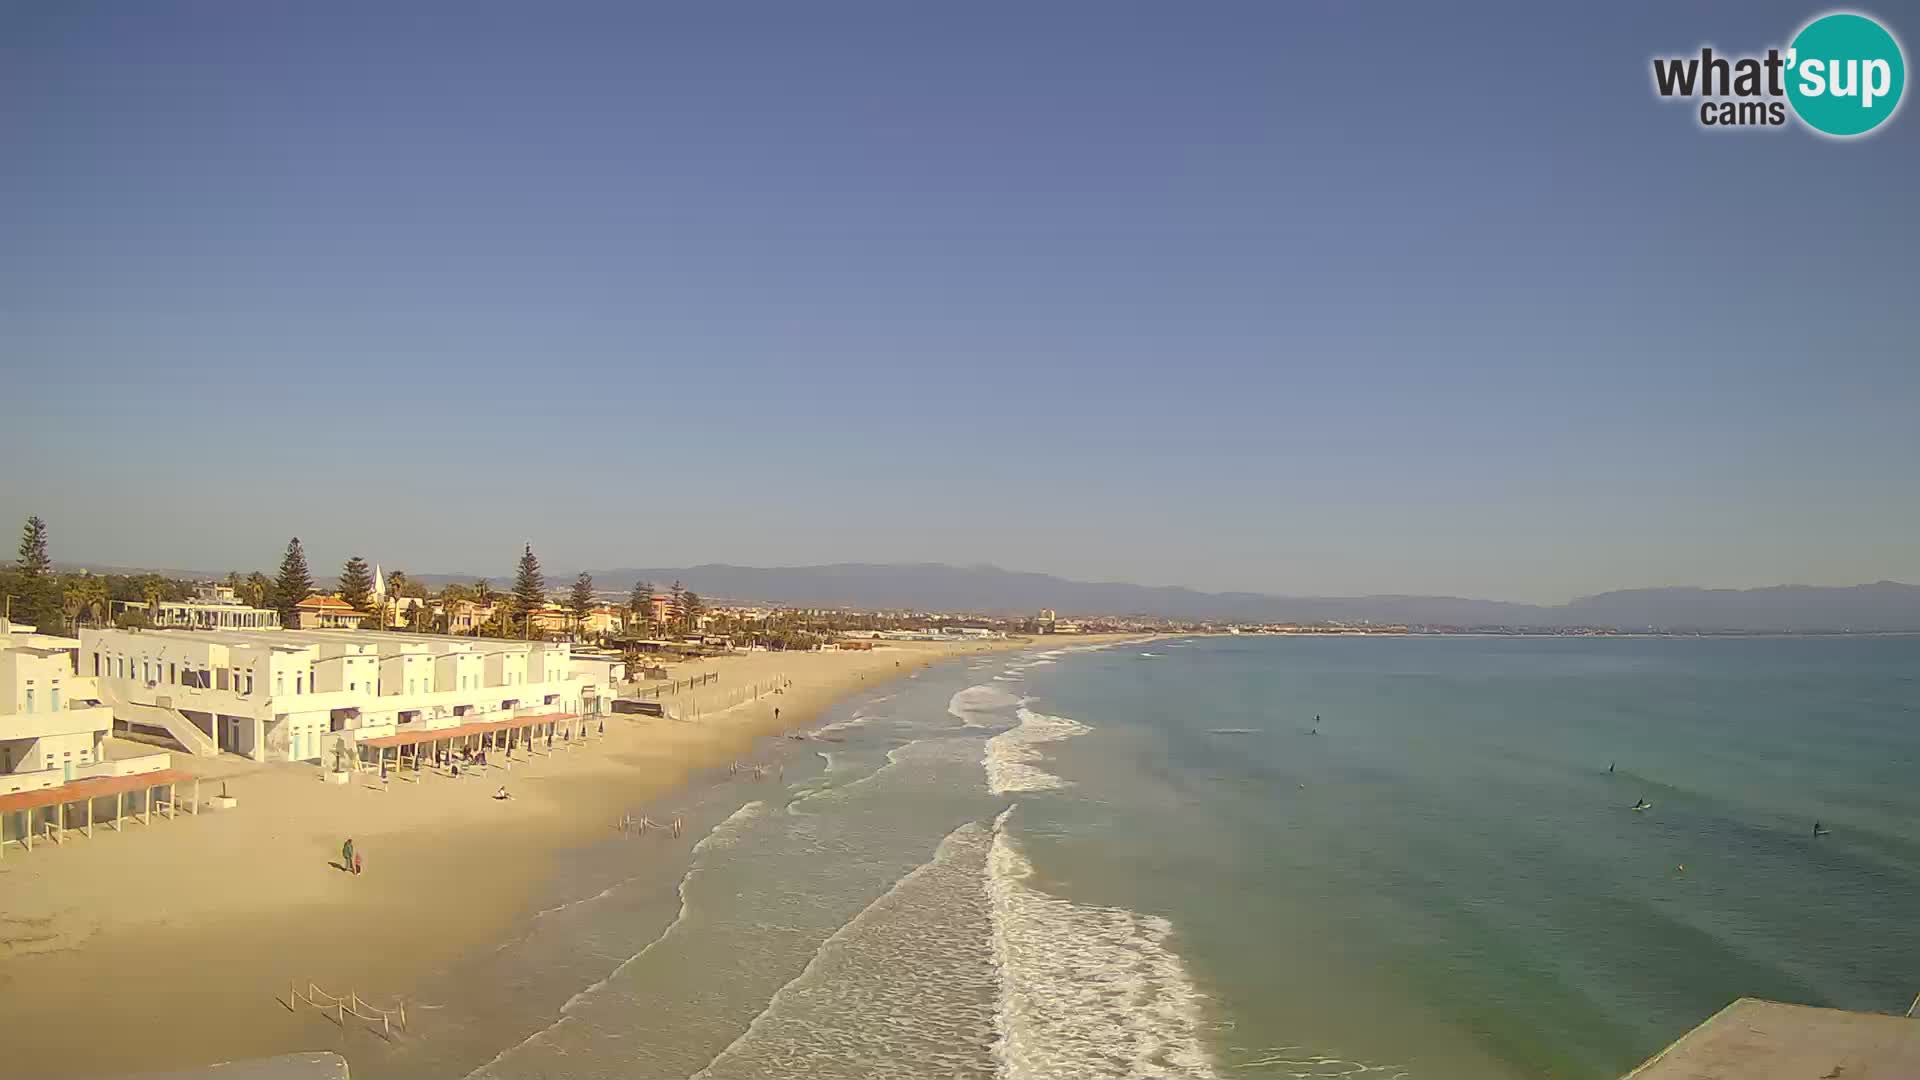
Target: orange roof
[
  {"x": 328, "y": 604},
  {"x": 92, "y": 788},
  {"x": 409, "y": 738}
]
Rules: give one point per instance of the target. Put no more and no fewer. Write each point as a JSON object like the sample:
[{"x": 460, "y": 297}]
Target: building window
[
  {"x": 53, "y": 699},
  {"x": 173, "y": 673},
  {"x": 96, "y": 665},
  {"x": 249, "y": 684},
  {"x": 279, "y": 683},
  {"x": 29, "y": 699},
  {"x": 297, "y": 679}
]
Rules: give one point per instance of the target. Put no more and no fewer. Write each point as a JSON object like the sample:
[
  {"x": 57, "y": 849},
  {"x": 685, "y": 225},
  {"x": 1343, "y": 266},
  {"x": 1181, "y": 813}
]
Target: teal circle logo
[{"x": 1845, "y": 73}]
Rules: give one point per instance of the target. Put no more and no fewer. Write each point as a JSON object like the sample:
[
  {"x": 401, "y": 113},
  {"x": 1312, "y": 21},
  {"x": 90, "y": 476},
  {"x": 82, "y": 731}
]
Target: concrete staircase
[{"x": 172, "y": 721}]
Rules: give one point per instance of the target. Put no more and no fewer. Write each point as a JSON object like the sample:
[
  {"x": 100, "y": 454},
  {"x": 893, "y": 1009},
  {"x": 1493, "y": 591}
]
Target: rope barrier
[
  {"x": 629, "y": 825},
  {"x": 351, "y": 1005}
]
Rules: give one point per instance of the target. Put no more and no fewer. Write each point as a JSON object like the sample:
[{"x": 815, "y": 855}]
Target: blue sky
[{"x": 1301, "y": 298}]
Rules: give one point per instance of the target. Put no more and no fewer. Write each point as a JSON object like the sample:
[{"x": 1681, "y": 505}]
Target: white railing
[
  {"x": 129, "y": 766},
  {"x": 41, "y": 779},
  {"x": 37, "y": 780}
]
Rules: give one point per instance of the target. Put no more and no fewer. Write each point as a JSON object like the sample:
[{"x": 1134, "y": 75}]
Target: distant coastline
[{"x": 1875, "y": 607}]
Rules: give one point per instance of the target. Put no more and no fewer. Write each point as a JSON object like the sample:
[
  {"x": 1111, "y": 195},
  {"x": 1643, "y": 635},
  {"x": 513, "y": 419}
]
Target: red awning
[
  {"x": 91, "y": 788},
  {"x": 414, "y": 738}
]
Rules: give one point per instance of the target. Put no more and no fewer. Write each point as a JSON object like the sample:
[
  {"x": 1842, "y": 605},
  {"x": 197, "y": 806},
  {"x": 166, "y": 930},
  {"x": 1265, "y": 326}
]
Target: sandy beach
[{"x": 172, "y": 944}]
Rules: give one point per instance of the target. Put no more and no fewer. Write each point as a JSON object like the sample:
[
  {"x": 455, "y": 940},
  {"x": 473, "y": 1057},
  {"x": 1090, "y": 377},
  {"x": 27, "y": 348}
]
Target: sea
[{"x": 1237, "y": 856}]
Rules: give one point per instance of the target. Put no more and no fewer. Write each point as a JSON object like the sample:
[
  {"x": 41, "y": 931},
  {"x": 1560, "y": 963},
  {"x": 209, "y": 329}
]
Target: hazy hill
[
  {"x": 1884, "y": 605},
  {"x": 1881, "y": 606}
]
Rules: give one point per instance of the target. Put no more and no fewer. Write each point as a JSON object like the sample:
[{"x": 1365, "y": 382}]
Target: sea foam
[
  {"x": 1012, "y": 756},
  {"x": 1085, "y": 991},
  {"x": 975, "y": 705}
]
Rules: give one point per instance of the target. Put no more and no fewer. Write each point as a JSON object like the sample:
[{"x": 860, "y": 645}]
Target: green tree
[
  {"x": 37, "y": 593},
  {"x": 256, "y": 590},
  {"x": 294, "y": 583},
  {"x": 690, "y": 609},
  {"x": 356, "y": 585},
  {"x": 640, "y": 603},
  {"x": 85, "y": 599},
  {"x": 529, "y": 588},
  {"x": 676, "y": 606},
  {"x": 34, "y": 562},
  {"x": 582, "y": 599}
]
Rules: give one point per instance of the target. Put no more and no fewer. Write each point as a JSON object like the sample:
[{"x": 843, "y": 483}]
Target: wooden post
[
  {"x": 196, "y": 796},
  {"x": 89, "y": 819},
  {"x": 146, "y": 806},
  {"x": 119, "y": 808},
  {"x": 61, "y": 836},
  {"x": 173, "y": 801}
]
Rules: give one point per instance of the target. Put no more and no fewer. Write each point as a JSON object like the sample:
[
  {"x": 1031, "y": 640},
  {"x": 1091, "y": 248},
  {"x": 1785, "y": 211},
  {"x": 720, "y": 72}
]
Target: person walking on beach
[{"x": 346, "y": 855}]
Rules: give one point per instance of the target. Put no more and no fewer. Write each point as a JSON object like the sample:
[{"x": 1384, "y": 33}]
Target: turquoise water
[
  {"x": 1447, "y": 881},
  {"x": 1146, "y": 860}
]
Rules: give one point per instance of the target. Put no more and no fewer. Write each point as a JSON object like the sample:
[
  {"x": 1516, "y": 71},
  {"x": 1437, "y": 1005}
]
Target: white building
[
  {"x": 293, "y": 694},
  {"x": 213, "y": 607},
  {"x": 52, "y": 727}
]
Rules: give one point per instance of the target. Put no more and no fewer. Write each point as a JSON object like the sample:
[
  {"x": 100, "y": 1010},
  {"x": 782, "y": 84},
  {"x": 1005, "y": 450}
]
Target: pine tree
[
  {"x": 34, "y": 563},
  {"x": 39, "y": 599},
  {"x": 641, "y": 603},
  {"x": 356, "y": 585},
  {"x": 294, "y": 584},
  {"x": 690, "y": 608},
  {"x": 676, "y": 604},
  {"x": 529, "y": 588},
  {"x": 582, "y": 597}
]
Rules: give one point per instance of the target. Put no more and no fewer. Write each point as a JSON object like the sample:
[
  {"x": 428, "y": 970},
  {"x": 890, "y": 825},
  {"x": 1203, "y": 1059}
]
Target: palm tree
[{"x": 86, "y": 598}]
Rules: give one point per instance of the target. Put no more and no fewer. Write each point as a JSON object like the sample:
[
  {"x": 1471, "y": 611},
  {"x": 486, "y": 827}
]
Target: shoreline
[{"x": 180, "y": 938}]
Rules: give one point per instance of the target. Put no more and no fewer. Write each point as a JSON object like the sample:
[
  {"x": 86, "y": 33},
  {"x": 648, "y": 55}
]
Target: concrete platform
[{"x": 1766, "y": 1040}]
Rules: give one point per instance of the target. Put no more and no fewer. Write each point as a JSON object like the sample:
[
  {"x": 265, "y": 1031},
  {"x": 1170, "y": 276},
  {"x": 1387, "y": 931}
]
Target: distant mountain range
[{"x": 1882, "y": 606}]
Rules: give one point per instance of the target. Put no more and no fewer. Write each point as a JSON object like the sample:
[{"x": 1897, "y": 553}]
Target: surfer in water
[
  {"x": 1610, "y": 768},
  {"x": 1641, "y": 804},
  {"x": 1818, "y": 831}
]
